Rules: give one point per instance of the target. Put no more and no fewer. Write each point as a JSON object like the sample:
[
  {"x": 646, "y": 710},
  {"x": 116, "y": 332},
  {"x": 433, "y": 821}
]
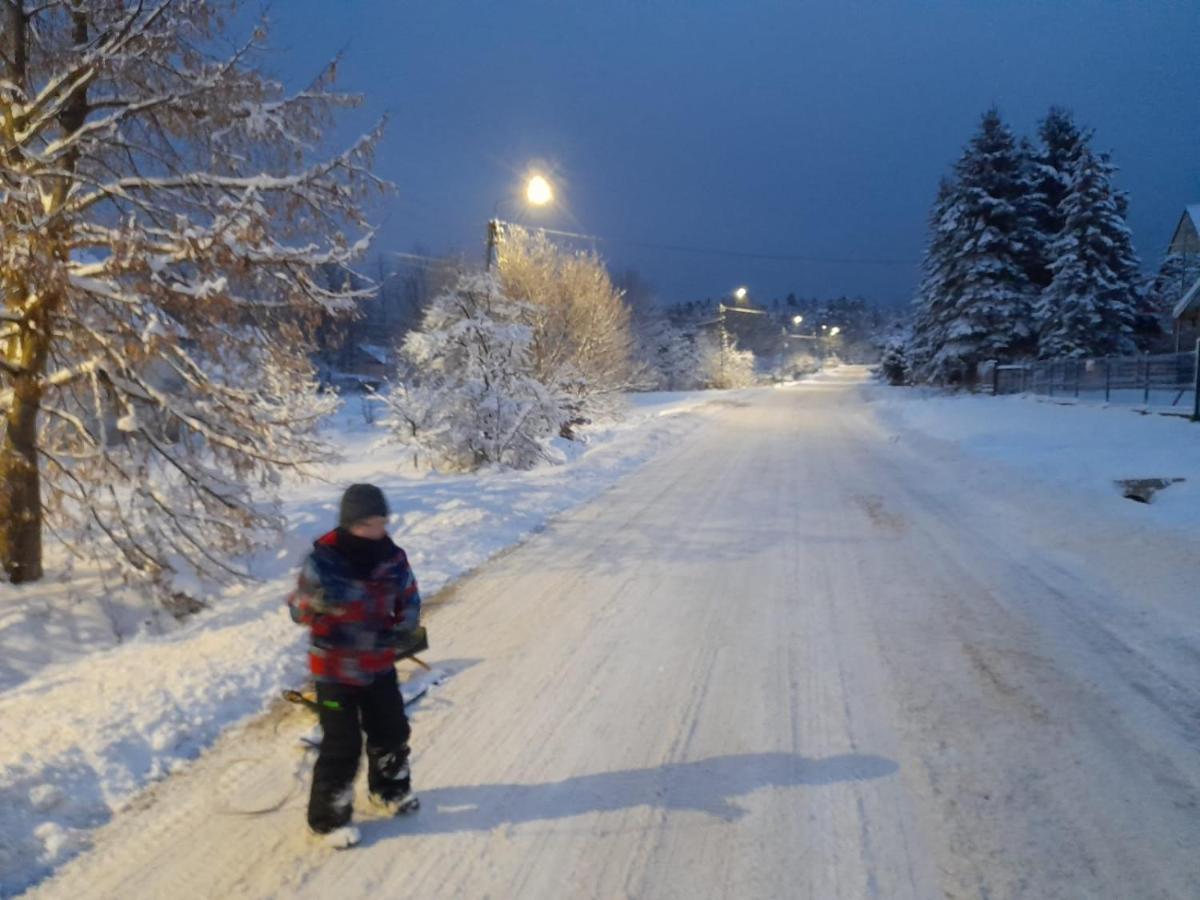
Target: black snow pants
[{"x": 346, "y": 712}]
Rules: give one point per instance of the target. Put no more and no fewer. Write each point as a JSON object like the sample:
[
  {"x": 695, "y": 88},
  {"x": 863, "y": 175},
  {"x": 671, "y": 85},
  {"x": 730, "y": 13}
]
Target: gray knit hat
[{"x": 361, "y": 501}]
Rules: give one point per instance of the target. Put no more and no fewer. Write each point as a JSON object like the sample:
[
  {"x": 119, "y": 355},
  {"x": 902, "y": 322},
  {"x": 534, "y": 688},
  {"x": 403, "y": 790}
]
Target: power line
[
  {"x": 744, "y": 254},
  {"x": 418, "y": 258}
]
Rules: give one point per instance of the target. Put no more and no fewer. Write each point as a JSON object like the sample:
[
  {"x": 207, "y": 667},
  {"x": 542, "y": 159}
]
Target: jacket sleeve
[
  {"x": 307, "y": 601},
  {"x": 319, "y": 594},
  {"x": 408, "y": 599}
]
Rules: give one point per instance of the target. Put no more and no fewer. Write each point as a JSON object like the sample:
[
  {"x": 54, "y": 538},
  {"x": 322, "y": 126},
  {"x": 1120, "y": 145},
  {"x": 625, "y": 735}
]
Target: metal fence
[{"x": 1166, "y": 382}]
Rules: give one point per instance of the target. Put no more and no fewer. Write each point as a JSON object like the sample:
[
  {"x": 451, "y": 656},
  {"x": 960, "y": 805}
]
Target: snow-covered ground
[
  {"x": 811, "y": 649},
  {"x": 101, "y": 693},
  {"x": 1077, "y": 446}
]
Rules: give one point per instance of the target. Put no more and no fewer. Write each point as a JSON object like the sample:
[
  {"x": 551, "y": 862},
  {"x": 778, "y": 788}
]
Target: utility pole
[
  {"x": 493, "y": 238},
  {"x": 724, "y": 338},
  {"x": 1196, "y": 386}
]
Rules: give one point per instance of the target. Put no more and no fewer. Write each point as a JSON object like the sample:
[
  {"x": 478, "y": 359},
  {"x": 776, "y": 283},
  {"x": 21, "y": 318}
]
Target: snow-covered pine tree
[
  {"x": 1059, "y": 144},
  {"x": 934, "y": 300},
  {"x": 1089, "y": 307},
  {"x": 979, "y": 293},
  {"x": 471, "y": 396},
  {"x": 894, "y": 362},
  {"x": 162, "y": 211}
]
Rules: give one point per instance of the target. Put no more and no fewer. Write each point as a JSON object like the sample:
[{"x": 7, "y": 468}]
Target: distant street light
[
  {"x": 833, "y": 331},
  {"x": 538, "y": 192},
  {"x": 796, "y": 320},
  {"x": 740, "y": 294}
]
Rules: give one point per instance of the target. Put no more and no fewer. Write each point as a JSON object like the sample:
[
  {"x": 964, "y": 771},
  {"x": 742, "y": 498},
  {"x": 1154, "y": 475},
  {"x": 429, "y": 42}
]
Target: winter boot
[
  {"x": 342, "y": 838},
  {"x": 390, "y": 782},
  {"x": 398, "y": 804}
]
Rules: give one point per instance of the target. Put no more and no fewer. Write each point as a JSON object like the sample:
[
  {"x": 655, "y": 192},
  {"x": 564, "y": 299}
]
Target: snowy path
[{"x": 796, "y": 656}]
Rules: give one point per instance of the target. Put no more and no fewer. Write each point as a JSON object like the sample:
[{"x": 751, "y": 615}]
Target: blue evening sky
[{"x": 811, "y": 129}]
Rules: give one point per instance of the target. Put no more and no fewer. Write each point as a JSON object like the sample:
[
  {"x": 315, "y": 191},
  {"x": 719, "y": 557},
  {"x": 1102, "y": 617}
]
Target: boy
[{"x": 358, "y": 596}]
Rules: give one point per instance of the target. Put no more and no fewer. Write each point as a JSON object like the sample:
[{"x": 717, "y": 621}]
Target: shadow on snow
[{"x": 707, "y": 786}]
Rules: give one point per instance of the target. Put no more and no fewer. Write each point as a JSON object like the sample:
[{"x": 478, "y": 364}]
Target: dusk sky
[{"x": 815, "y": 130}]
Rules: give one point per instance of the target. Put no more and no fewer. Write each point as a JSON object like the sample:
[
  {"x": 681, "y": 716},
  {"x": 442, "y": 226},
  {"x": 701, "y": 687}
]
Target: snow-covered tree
[
  {"x": 723, "y": 366},
  {"x": 163, "y": 206},
  {"x": 975, "y": 298},
  {"x": 894, "y": 363},
  {"x": 934, "y": 301},
  {"x": 1060, "y": 141},
  {"x": 471, "y": 396},
  {"x": 582, "y": 341},
  {"x": 1089, "y": 307},
  {"x": 667, "y": 353}
]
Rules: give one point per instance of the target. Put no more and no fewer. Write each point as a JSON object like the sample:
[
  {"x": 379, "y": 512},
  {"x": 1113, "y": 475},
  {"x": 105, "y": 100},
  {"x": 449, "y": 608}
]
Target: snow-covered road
[{"x": 798, "y": 655}]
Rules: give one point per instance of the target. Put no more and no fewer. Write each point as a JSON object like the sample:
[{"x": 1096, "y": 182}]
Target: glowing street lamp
[
  {"x": 796, "y": 320},
  {"x": 538, "y": 191},
  {"x": 740, "y": 294},
  {"x": 834, "y": 330}
]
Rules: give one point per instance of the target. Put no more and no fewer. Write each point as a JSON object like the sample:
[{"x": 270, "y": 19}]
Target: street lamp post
[{"x": 538, "y": 192}]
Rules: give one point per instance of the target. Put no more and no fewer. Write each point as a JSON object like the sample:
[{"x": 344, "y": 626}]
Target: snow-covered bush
[
  {"x": 667, "y": 355},
  {"x": 581, "y": 343},
  {"x": 725, "y": 367},
  {"x": 471, "y": 396},
  {"x": 894, "y": 363},
  {"x": 801, "y": 362}
]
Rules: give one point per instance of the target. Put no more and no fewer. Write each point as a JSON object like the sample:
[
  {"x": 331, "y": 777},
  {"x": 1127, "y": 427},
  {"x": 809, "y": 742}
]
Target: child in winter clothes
[{"x": 360, "y": 600}]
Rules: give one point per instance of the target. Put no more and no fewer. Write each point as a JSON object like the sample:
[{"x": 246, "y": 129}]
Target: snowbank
[
  {"x": 1079, "y": 447},
  {"x": 102, "y": 694}
]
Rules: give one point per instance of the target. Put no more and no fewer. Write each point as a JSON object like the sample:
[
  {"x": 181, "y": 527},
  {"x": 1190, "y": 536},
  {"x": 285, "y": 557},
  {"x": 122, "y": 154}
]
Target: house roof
[
  {"x": 1189, "y": 303},
  {"x": 1191, "y": 216},
  {"x": 377, "y": 353}
]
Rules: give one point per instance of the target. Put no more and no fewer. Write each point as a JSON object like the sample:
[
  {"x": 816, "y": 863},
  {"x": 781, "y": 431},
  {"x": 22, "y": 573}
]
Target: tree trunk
[
  {"x": 20, "y": 485},
  {"x": 20, "y": 488},
  {"x": 27, "y": 351}
]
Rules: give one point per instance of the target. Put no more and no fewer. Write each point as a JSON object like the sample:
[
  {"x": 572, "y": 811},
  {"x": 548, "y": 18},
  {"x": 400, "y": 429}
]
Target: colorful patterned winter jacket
[{"x": 350, "y": 619}]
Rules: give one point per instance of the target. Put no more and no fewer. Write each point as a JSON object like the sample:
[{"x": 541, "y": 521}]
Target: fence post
[
  {"x": 996, "y": 379},
  {"x": 1196, "y": 386},
  {"x": 1107, "y": 379},
  {"x": 1146, "y": 395},
  {"x": 1075, "y": 366}
]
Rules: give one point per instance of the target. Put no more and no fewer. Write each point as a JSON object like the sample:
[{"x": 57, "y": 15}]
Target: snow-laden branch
[
  {"x": 48, "y": 104},
  {"x": 172, "y": 223},
  {"x": 317, "y": 175}
]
